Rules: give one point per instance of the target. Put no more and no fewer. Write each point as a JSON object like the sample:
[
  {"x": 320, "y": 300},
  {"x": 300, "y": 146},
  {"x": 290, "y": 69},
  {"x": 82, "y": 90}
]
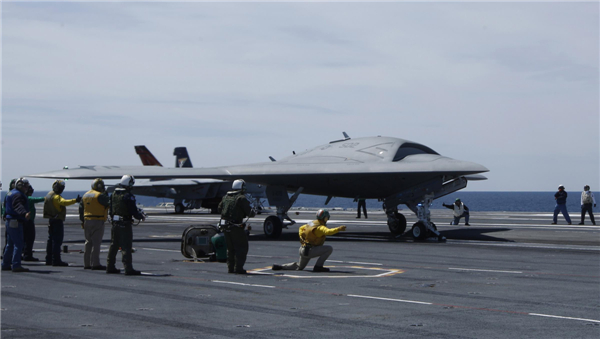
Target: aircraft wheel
[
  {"x": 179, "y": 209},
  {"x": 397, "y": 226},
  {"x": 272, "y": 227},
  {"x": 419, "y": 231}
]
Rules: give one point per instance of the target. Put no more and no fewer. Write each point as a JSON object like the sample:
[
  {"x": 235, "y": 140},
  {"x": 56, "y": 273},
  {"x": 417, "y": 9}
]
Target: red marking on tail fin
[{"x": 147, "y": 158}]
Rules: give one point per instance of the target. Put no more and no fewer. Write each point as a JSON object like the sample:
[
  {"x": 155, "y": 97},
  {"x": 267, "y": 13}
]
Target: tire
[
  {"x": 179, "y": 209},
  {"x": 272, "y": 227},
  {"x": 397, "y": 227},
  {"x": 419, "y": 231}
]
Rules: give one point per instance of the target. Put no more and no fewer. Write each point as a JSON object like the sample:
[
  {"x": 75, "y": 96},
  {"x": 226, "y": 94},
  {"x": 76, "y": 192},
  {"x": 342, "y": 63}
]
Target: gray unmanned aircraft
[{"x": 393, "y": 170}]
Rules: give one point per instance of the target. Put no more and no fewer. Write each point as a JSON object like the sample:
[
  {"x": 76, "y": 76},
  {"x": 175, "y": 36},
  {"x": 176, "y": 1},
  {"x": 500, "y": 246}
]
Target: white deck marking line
[
  {"x": 241, "y": 284},
  {"x": 427, "y": 303},
  {"x": 525, "y": 245},
  {"x": 389, "y": 299},
  {"x": 560, "y": 317},
  {"x": 480, "y": 270},
  {"x": 356, "y": 262},
  {"x": 159, "y": 249}
]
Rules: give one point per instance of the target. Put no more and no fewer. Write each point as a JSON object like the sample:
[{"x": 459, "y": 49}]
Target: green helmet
[
  {"x": 98, "y": 185},
  {"x": 322, "y": 214}
]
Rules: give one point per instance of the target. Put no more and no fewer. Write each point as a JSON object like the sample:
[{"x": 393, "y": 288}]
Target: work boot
[
  {"x": 277, "y": 267},
  {"x": 60, "y": 263},
  {"x": 112, "y": 270},
  {"x": 98, "y": 268},
  {"x": 8, "y": 268},
  {"x": 467, "y": 224},
  {"x": 241, "y": 272},
  {"x": 569, "y": 224},
  {"x": 580, "y": 223},
  {"x": 87, "y": 267},
  {"x": 30, "y": 258},
  {"x": 20, "y": 269},
  {"x": 133, "y": 272},
  {"x": 320, "y": 269},
  {"x": 553, "y": 223}
]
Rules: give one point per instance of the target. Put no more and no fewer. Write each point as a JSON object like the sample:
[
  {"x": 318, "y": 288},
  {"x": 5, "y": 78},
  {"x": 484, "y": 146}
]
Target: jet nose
[{"x": 465, "y": 167}]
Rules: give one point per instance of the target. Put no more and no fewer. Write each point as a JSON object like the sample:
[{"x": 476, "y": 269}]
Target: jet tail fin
[
  {"x": 146, "y": 156},
  {"x": 182, "y": 158}
]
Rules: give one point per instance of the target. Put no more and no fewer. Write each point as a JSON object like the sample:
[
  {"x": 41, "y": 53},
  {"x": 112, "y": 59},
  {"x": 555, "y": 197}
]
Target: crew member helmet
[
  {"x": 11, "y": 186},
  {"x": 21, "y": 184},
  {"x": 561, "y": 187},
  {"x": 127, "y": 181},
  {"x": 29, "y": 190},
  {"x": 58, "y": 186},
  {"x": 98, "y": 185},
  {"x": 586, "y": 187},
  {"x": 238, "y": 184},
  {"x": 322, "y": 214}
]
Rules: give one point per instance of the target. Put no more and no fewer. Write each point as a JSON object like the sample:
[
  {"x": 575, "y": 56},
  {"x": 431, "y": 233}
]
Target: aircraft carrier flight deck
[{"x": 508, "y": 275}]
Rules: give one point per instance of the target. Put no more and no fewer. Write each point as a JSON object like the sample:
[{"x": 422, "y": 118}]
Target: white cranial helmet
[
  {"x": 238, "y": 185},
  {"x": 127, "y": 180}
]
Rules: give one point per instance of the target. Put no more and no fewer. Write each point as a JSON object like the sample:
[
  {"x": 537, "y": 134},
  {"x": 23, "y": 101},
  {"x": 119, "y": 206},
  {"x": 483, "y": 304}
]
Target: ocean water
[{"x": 476, "y": 201}]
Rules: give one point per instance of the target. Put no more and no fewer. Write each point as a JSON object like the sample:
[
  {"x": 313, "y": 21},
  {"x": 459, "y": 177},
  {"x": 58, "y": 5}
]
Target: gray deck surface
[{"x": 508, "y": 275}]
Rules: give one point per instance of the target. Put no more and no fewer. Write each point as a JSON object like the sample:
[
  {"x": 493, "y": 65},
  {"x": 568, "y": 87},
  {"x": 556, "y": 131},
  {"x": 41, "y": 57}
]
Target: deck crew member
[
  {"x": 29, "y": 226},
  {"x": 122, "y": 210},
  {"x": 460, "y": 210},
  {"x": 561, "y": 205},
  {"x": 55, "y": 209},
  {"x": 362, "y": 203},
  {"x": 587, "y": 199},
  {"x": 17, "y": 212},
  {"x": 234, "y": 207},
  {"x": 93, "y": 210},
  {"x": 11, "y": 187},
  {"x": 312, "y": 238}
]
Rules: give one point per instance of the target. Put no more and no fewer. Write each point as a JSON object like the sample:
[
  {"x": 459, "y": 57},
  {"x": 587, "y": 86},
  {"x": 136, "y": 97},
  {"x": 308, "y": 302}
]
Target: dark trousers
[
  {"x": 587, "y": 208},
  {"x": 56, "y": 234},
  {"x": 237, "y": 248},
  {"x": 121, "y": 235},
  {"x": 29, "y": 238},
  {"x": 363, "y": 204}
]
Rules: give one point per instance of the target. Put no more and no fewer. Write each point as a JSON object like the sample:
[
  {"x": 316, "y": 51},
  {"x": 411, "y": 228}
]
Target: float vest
[
  {"x": 10, "y": 212},
  {"x": 50, "y": 211},
  {"x": 118, "y": 205},
  {"x": 459, "y": 210},
  {"x": 309, "y": 234},
  {"x": 92, "y": 208},
  {"x": 586, "y": 197},
  {"x": 230, "y": 210}
]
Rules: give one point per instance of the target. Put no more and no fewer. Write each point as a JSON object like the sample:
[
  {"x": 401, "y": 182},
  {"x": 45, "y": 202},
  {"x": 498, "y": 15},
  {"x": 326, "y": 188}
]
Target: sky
[{"x": 512, "y": 86}]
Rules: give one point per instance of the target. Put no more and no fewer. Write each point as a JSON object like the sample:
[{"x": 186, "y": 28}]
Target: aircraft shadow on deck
[{"x": 456, "y": 234}]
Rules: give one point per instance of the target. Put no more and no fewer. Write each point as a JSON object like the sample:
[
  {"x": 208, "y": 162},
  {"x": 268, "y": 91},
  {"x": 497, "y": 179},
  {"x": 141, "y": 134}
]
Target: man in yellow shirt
[
  {"x": 55, "y": 210},
  {"x": 312, "y": 238}
]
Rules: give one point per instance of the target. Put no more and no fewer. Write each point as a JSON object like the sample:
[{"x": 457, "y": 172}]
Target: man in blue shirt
[
  {"x": 561, "y": 205},
  {"x": 17, "y": 212}
]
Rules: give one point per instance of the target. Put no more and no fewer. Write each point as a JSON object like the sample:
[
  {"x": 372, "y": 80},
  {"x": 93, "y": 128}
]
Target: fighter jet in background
[
  {"x": 187, "y": 194},
  {"x": 393, "y": 170}
]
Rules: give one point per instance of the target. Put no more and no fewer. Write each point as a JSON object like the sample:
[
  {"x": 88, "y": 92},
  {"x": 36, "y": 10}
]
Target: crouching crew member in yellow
[{"x": 312, "y": 238}]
